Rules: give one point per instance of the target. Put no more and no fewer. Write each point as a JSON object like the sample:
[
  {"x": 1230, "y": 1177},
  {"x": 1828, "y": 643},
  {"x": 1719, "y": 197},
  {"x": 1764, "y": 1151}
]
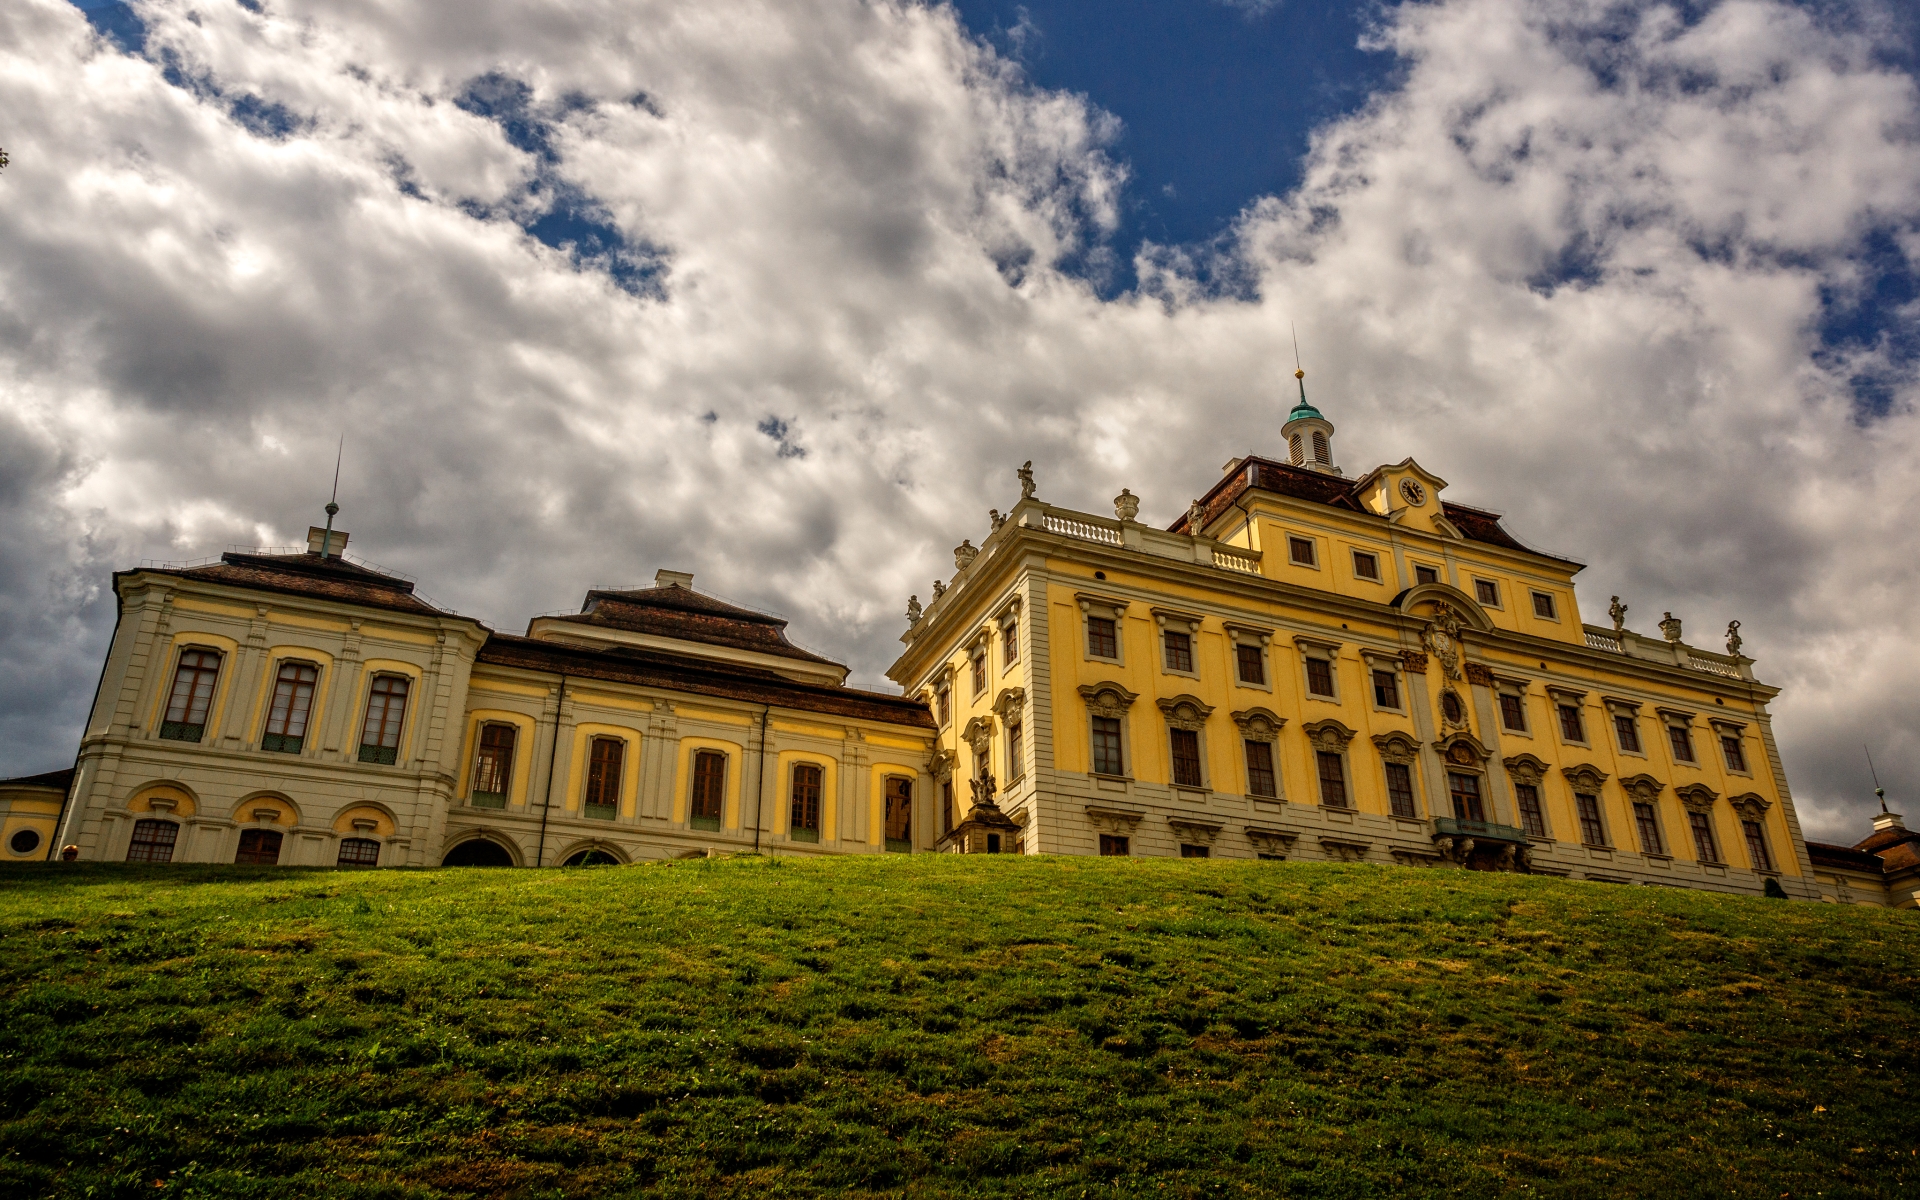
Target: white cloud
[{"x": 1575, "y": 263}]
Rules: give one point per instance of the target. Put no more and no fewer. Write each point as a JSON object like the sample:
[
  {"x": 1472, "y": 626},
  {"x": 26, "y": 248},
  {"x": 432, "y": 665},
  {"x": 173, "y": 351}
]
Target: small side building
[
  {"x": 1883, "y": 869},
  {"x": 29, "y": 808}
]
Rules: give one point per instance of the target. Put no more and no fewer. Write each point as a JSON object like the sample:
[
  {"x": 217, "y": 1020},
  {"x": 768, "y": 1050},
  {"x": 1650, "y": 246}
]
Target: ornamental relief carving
[
  {"x": 1643, "y": 788},
  {"x": 1271, "y": 841},
  {"x": 1259, "y": 724},
  {"x": 1697, "y": 797},
  {"x": 1525, "y": 768},
  {"x": 1750, "y": 805},
  {"x": 979, "y": 735},
  {"x": 1113, "y": 820},
  {"x": 1479, "y": 674},
  {"x": 1185, "y": 712},
  {"x": 1415, "y": 662},
  {"x": 1442, "y": 639},
  {"x": 1397, "y": 748},
  {"x": 1328, "y": 734},
  {"x": 942, "y": 764},
  {"x": 1201, "y": 832},
  {"x": 1009, "y": 704},
  {"x": 1453, "y": 710},
  {"x": 1585, "y": 777},
  {"x": 1107, "y": 699}
]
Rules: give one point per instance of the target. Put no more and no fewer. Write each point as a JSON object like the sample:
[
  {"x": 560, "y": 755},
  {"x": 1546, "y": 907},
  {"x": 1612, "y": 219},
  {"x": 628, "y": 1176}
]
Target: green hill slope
[{"x": 945, "y": 1025}]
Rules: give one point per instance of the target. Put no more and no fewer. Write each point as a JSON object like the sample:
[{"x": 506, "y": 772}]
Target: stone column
[
  {"x": 1433, "y": 773},
  {"x": 1502, "y": 809}
]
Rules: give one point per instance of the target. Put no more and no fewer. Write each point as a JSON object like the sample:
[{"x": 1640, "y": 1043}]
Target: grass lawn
[{"x": 942, "y": 1025}]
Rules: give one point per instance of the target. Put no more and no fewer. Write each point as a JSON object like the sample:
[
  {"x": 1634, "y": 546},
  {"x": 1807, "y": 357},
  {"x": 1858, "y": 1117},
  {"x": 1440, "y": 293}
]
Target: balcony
[{"x": 1479, "y": 831}]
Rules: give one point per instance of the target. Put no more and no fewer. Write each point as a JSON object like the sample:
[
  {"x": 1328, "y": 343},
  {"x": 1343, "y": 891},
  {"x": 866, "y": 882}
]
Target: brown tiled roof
[
  {"x": 62, "y": 780},
  {"x": 1897, "y": 849},
  {"x": 678, "y": 612},
  {"x": 704, "y": 677},
  {"x": 1825, "y": 854},
  {"x": 308, "y": 574}
]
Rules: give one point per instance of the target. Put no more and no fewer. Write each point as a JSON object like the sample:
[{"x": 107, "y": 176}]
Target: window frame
[
  {"x": 153, "y": 844},
  {"x": 1482, "y": 585},
  {"x": 1753, "y": 831},
  {"x": 889, "y": 843},
  {"x": 1095, "y": 738},
  {"x": 703, "y": 755},
  {"x": 977, "y": 672},
  {"x": 173, "y": 730},
  {"x": 1311, "y": 544},
  {"x": 1475, "y": 792},
  {"x": 1389, "y": 769},
  {"x": 1678, "y": 727},
  {"x": 379, "y": 752},
  {"x": 1116, "y": 845},
  {"x": 1258, "y": 640},
  {"x": 1591, "y": 824},
  {"x": 1010, "y": 639},
  {"x": 1734, "y": 732},
  {"x": 1108, "y": 629},
  {"x": 1378, "y": 665},
  {"x": 1564, "y": 700},
  {"x": 282, "y": 742},
  {"x": 1504, "y": 692},
  {"x": 1533, "y": 824},
  {"x": 340, "y": 857},
  {"x": 1016, "y": 751},
  {"x": 1646, "y": 828},
  {"x": 1552, "y": 606},
  {"x": 798, "y": 830},
  {"x": 1323, "y": 756},
  {"x": 1624, "y": 715},
  {"x": 263, "y": 841},
  {"x": 1325, "y": 651},
  {"x": 593, "y": 777},
  {"x": 477, "y": 796},
  {"x": 1272, "y": 768},
  {"x": 1423, "y": 569},
  {"x": 1103, "y": 608},
  {"x": 1706, "y": 842},
  {"x": 1372, "y": 556}
]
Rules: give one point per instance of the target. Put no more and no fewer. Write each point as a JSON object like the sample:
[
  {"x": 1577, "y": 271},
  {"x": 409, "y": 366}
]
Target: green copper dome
[{"x": 1303, "y": 410}]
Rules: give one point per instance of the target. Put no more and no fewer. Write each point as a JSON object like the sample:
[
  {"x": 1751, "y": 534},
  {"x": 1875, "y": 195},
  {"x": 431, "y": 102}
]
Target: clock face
[{"x": 1411, "y": 489}]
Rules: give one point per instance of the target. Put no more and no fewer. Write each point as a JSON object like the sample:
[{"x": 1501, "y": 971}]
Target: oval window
[{"x": 24, "y": 841}]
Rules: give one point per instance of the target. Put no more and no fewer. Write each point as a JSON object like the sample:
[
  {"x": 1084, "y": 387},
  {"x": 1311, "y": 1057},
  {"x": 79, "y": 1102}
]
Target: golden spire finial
[{"x": 1299, "y": 374}]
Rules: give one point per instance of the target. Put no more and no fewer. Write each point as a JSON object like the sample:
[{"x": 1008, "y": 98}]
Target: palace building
[{"x": 1305, "y": 666}]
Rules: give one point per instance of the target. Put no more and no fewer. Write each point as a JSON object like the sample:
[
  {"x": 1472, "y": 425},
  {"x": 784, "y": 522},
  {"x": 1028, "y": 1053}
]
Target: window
[
  {"x": 1513, "y": 712},
  {"x": 1178, "y": 650},
  {"x": 1366, "y": 566},
  {"x": 152, "y": 841},
  {"x": 1756, "y": 846},
  {"x": 1186, "y": 758},
  {"x": 943, "y": 704},
  {"x": 1425, "y": 575},
  {"x": 1736, "y": 755},
  {"x": 292, "y": 702},
  {"x": 1487, "y": 592},
  {"x": 386, "y": 709},
  {"x": 1260, "y": 777},
  {"x": 899, "y": 814},
  {"x": 979, "y": 673},
  {"x": 259, "y": 846},
  {"x": 1251, "y": 664},
  {"x": 1333, "y": 778},
  {"x": 1113, "y": 845},
  {"x": 1465, "y": 790},
  {"x": 358, "y": 852},
  {"x": 1294, "y": 452},
  {"x": 803, "y": 823},
  {"x": 946, "y": 807},
  {"x": 1572, "y": 728},
  {"x": 1649, "y": 827},
  {"x": 1628, "y": 731},
  {"x": 1106, "y": 747},
  {"x": 1543, "y": 606},
  {"x": 1319, "y": 677},
  {"x": 24, "y": 841},
  {"x": 606, "y": 762},
  {"x": 187, "y": 704},
  {"x": 1300, "y": 552},
  {"x": 1452, "y": 709},
  {"x": 1386, "y": 689},
  {"x": 1532, "y": 818},
  {"x": 493, "y": 765},
  {"x": 1681, "y": 738},
  {"x": 1016, "y": 752},
  {"x": 1592, "y": 832},
  {"x": 1320, "y": 455},
  {"x": 1400, "y": 790},
  {"x": 1188, "y": 849},
  {"x": 1703, "y": 843},
  {"x": 709, "y": 797},
  {"x": 1010, "y": 641},
  {"x": 1101, "y": 639}
]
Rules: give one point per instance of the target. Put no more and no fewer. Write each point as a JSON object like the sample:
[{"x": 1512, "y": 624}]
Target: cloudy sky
[{"x": 780, "y": 292}]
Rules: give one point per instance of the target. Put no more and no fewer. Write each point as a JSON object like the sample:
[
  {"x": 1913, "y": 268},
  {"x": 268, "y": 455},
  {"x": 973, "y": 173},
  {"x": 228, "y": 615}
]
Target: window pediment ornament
[
  {"x": 1751, "y": 805},
  {"x": 1169, "y": 618},
  {"x": 1009, "y": 704},
  {"x": 1397, "y": 748},
  {"x": 1104, "y": 606},
  {"x": 1585, "y": 777},
  {"x": 1525, "y": 768},
  {"x": 1566, "y": 695},
  {"x": 1248, "y": 633},
  {"x": 1675, "y": 716},
  {"x": 1309, "y": 644},
  {"x": 1271, "y": 841},
  {"x": 1621, "y": 706},
  {"x": 1185, "y": 712},
  {"x": 1328, "y": 734},
  {"x": 1259, "y": 724},
  {"x": 1698, "y": 797},
  {"x": 979, "y": 735},
  {"x": 1107, "y": 699},
  {"x": 1463, "y": 750},
  {"x": 942, "y": 764},
  {"x": 1643, "y": 788},
  {"x": 1188, "y": 829},
  {"x": 1727, "y": 728},
  {"x": 1113, "y": 820}
]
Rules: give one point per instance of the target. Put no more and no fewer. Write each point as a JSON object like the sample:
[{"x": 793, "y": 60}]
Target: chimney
[
  {"x": 665, "y": 578},
  {"x": 1883, "y": 821},
  {"x": 316, "y": 534}
]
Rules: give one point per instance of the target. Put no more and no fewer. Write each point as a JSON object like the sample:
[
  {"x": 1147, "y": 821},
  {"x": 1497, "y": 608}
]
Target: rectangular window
[
  {"x": 1703, "y": 843},
  {"x": 1682, "y": 741},
  {"x": 1592, "y": 832},
  {"x": 1186, "y": 758},
  {"x": 493, "y": 765},
  {"x": 1301, "y": 551},
  {"x": 946, "y": 807},
  {"x": 1572, "y": 728},
  {"x": 1113, "y": 845},
  {"x": 292, "y": 702},
  {"x": 1189, "y": 850},
  {"x": 1627, "y": 729},
  {"x": 1333, "y": 778},
  {"x": 1260, "y": 776},
  {"x": 1386, "y": 689},
  {"x": 1649, "y": 827},
  {"x": 1757, "y": 846},
  {"x": 1010, "y": 641},
  {"x": 1543, "y": 606},
  {"x": 260, "y": 847},
  {"x": 187, "y": 704},
  {"x": 709, "y": 797},
  {"x": 1400, "y": 790},
  {"x": 1016, "y": 752},
  {"x": 358, "y": 852},
  {"x": 1532, "y": 818},
  {"x": 606, "y": 761},
  {"x": 1465, "y": 790},
  {"x": 1425, "y": 575},
  {"x": 1101, "y": 639},
  {"x": 1319, "y": 677},
  {"x": 386, "y": 711},
  {"x": 1366, "y": 566},
  {"x": 803, "y": 818},
  {"x": 1251, "y": 664},
  {"x": 943, "y": 704},
  {"x": 152, "y": 841},
  {"x": 1487, "y": 592},
  {"x": 899, "y": 814},
  {"x": 1735, "y": 753},
  {"x": 1107, "y": 759},
  {"x": 1513, "y": 712},
  {"x": 1179, "y": 650},
  {"x": 979, "y": 673}
]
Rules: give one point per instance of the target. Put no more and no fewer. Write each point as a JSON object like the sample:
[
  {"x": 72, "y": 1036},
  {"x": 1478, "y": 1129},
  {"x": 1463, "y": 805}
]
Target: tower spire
[
  {"x": 1309, "y": 434},
  {"x": 333, "y": 506}
]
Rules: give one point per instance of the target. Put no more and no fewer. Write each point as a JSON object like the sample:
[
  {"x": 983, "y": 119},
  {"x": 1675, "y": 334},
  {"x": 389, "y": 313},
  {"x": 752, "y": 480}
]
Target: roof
[
  {"x": 308, "y": 574},
  {"x": 699, "y": 676},
  {"x": 60, "y": 780},
  {"x": 1896, "y": 847},
  {"x": 678, "y": 612},
  {"x": 1825, "y": 854}
]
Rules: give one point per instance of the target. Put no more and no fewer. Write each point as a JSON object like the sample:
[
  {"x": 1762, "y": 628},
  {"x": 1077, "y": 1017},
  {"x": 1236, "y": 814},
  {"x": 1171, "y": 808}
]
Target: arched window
[
  {"x": 709, "y": 797},
  {"x": 359, "y": 852},
  {"x": 493, "y": 765},
  {"x": 606, "y": 764},
  {"x": 478, "y": 852},
  {"x": 259, "y": 846},
  {"x": 192, "y": 695},
  {"x": 386, "y": 711},
  {"x": 292, "y": 702},
  {"x": 899, "y": 814},
  {"x": 1320, "y": 451},
  {"x": 591, "y": 858},
  {"x": 153, "y": 841},
  {"x": 805, "y": 823}
]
